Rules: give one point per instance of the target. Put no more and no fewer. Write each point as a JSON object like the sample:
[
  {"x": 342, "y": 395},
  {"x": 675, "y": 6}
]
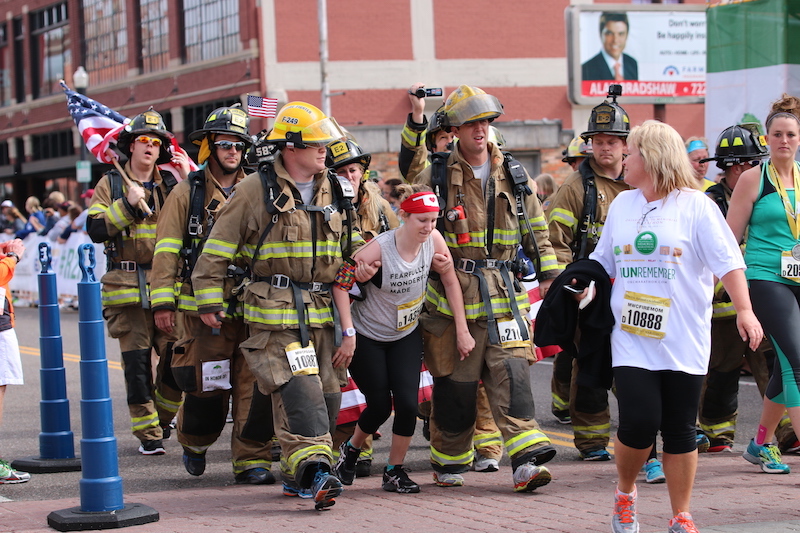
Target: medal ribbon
[{"x": 791, "y": 211}]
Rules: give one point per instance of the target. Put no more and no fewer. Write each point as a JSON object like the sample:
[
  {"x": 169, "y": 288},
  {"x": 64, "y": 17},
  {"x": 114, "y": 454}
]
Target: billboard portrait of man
[{"x": 611, "y": 63}]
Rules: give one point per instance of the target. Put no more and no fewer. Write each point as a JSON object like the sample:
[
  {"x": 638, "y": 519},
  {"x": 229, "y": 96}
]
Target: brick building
[{"x": 185, "y": 57}]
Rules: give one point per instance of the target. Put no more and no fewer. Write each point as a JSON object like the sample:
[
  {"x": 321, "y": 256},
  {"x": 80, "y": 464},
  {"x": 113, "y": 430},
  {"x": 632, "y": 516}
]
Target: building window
[
  {"x": 155, "y": 31},
  {"x": 5, "y": 63},
  {"x": 211, "y": 28},
  {"x": 4, "y": 159},
  {"x": 52, "y": 145},
  {"x": 50, "y": 49},
  {"x": 195, "y": 116},
  {"x": 105, "y": 39}
]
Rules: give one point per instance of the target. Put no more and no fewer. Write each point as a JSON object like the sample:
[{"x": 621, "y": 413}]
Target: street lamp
[{"x": 83, "y": 168}]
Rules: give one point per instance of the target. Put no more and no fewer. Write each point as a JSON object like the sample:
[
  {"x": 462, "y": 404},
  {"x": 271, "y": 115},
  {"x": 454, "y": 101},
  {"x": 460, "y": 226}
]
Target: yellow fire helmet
[
  {"x": 470, "y": 104},
  {"x": 577, "y": 148},
  {"x": 301, "y": 123}
]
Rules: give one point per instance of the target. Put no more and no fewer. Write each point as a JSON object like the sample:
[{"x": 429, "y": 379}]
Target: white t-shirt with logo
[{"x": 663, "y": 257}]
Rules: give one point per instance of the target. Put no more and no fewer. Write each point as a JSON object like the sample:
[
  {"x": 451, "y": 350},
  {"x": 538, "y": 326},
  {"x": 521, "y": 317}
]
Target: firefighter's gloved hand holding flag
[{"x": 100, "y": 126}]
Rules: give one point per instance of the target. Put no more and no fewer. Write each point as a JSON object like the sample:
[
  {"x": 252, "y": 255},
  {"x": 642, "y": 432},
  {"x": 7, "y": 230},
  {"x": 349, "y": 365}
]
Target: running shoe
[
  {"x": 596, "y": 455},
  {"x": 325, "y": 488},
  {"x": 793, "y": 447},
  {"x": 529, "y": 476},
  {"x": 563, "y": 417},
  {"x": 345, "y": 468},
  {"x": 152, "y": 447},
  {"x": 290, "y": 490},
  {"x": 653, "y": 473},
  {"x": 624, "y": 518},
  {"x": 397, "y": 480},
  {"x": 364, "y": 468},
  {"x": 194, "y": 463},
  {"x": 484, "y": 464},
  {"x": 255, "y": 476},
  {"x": 720, "y": 446},
  {"x": 445, "y": 479},
  {"x": 702, "y": 442},
  {"x": 682, "y": 523},
  {"x": 767, "y": 456},
  {"x": 10, "y": 476}
]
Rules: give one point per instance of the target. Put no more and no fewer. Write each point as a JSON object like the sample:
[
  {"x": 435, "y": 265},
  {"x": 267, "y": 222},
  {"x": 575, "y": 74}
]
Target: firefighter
[
  {"x": 294, "y": 223},
  {"x": 576, "y": 152},
  {"x": 576, "y": 215},
  {"x": 420, "y": 138},
  {"x": 117, "y": 219},
  {"x": 738, "y": 148},
  {"x": 483, "y": 237},
  {"x": 207, "y": 364}
]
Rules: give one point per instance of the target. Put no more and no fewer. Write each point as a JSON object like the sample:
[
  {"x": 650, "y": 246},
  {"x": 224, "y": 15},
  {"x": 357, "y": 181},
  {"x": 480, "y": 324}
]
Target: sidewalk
[{"x": 731, "y": 496}]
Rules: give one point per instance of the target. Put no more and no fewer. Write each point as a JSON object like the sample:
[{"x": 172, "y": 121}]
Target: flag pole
[{"x": 142, "y": 204}]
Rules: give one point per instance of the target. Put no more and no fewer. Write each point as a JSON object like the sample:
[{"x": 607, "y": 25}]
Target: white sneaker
[
  {"x": 484, "y": 464},
  {"x": 444, "y": 479},
  {"x": 529, "y": 476}
]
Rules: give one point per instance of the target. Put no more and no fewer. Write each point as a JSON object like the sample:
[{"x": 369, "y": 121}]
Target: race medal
[
  {"x": 790, "y": 264},
  {"x": 645, "y": 315},
  {"x": 510, "y": 334},
  {"x": 302, "y": 361},
  {"x": 216, "y": 375},
  {"x": 408, "y": 313}
]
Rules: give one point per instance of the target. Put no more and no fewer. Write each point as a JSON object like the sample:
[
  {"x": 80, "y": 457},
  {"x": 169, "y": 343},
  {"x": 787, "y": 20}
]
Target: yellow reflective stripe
[
  {"x": 477, "y": 239},
  {"x": 537, "y": 224},
  {"x": 165, "y": 295},
  {"x": 559, "y": 403},
  {"x": 166, "y": 404},
  {"x": 484, "y": 440},
  {"x": 716, "y": 430},
  {"x": 196, "y": 449},
  {"x": 187, "y": 302},
  {"x": 586, "y": 432},
  {"x": 443, "y": 459},
  {"x": 525, "y": 440},
  {"x": 168, "y": 245},
  {"x": 563, "y": 216},
  {"x": 275, "y": 250},
  {"x": 723, "y": 309},
  {"x": 549, "y": 262},
  {"x": 275, "y": 317},
  {"x": 241, "y": 466},
  {"x": 119, "y": 297},
  {"x": 506, "y": 237},
  {"x": 98, "y": 209},
  {"x": 412, "y": 137},
  {"x": 117, "y": 216},
  {"x": 212, "y": 296},
  {"x": 290, "y": 464},
  {"x": 220, "y": 248},
  {"x": 500, "y": 305},
  {"x": 143, "y": 231},
  {"x": 144, "y": 422}
]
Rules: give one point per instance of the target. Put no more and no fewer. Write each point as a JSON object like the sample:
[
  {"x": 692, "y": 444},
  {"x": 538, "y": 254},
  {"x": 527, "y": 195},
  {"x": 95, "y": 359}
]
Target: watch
[
  {"x": 349, "y": 332},
  {"x": 14, "y": 255}
]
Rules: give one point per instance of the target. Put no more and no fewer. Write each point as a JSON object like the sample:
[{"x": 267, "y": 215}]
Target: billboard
[{"x": 656, "y": 52}]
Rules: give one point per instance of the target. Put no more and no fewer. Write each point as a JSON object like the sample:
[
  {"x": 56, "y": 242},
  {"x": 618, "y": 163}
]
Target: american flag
[
  {"x": 258, "y": 106},
  {"x": 100, "y": 126}
]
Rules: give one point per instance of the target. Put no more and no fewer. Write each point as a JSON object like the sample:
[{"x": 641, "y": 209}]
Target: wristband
[
  {"x": 346, "y": 276},
  {"x": 14, "y": 255}
]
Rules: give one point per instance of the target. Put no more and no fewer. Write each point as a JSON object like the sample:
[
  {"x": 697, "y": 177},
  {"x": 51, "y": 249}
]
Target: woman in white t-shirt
[{"x": 663, "y": 243}]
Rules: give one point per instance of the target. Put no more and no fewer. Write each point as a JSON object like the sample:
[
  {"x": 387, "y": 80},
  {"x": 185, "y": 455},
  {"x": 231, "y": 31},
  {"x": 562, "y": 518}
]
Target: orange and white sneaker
[
  {"x": 682, "y": 523},
  {"x": 624, "y": 518}
]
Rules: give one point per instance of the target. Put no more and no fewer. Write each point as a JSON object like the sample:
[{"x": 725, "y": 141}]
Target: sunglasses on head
[
  {"x": 144, "y": 139},
  {"x": 227, "y": 145}
]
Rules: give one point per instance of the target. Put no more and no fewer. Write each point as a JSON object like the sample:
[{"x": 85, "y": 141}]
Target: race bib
[
  {"x": 511, "y": 335},
  {"x": 645, "y": 315},
  {"x": 302, "y": 361},
  {"x": 408, "y": 313},
  {"x": 790, "y": 266},
  {"x": 216, "y": 375}
]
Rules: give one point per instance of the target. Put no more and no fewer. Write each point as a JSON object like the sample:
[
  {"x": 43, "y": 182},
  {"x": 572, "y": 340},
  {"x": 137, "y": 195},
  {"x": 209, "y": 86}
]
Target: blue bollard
[
  {"x": 56, "y": 444},
  {"x": 101, "y": 486}
]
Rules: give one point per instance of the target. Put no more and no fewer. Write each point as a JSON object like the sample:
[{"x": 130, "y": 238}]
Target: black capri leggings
[
  {"x": 385, "y": 371},
  {"x": 652, "y": 400}
]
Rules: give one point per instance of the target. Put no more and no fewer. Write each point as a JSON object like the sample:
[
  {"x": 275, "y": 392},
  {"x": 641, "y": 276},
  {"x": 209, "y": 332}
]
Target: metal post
[
  {"x": 56, "y": 444},
  {"x": 322, "y": 15}
]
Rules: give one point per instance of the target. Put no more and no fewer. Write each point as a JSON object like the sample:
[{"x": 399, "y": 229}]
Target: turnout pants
[
  {"x": 305, "y": 406},
  {"x": 152, "y": 404},
  {"x": 205, "y": 360},
  {"x": 505, "y": 374}
]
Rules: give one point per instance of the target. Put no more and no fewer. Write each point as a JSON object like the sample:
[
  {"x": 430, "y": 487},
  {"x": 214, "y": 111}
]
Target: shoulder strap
[
  {"x": 169, "y": 180},
  {"x": 439, "y": 184},
  {"x": 717, "y": 193},
  {"x": 519, "y": 182},
  {"x": 194, "y": 222},
  {"x": 580, "y": 242}
]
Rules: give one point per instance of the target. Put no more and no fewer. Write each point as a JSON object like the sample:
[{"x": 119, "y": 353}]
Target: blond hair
[
  {"x": 664, "y": 156},
  {"x": 787, "y": 106}
]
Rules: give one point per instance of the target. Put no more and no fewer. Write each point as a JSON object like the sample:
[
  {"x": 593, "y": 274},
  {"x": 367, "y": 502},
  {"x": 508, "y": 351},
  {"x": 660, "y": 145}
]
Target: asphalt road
[{"x": 21, "y": 426}]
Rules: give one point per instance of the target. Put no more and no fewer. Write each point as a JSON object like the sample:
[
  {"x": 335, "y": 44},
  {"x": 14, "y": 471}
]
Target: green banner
[{"x": 754, "y": 34}]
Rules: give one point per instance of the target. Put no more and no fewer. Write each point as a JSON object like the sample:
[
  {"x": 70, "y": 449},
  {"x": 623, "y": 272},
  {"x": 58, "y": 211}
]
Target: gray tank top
[{"x": 390, "y": 312}]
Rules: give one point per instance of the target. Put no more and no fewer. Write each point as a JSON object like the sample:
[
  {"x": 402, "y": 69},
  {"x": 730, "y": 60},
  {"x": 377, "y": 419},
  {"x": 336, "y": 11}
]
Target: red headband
[{"x": 420, "y": 202}]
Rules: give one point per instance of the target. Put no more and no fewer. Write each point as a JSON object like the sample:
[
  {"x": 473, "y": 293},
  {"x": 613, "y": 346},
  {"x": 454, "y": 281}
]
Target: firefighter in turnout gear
[
  {"x": 576, "y": 214},
  {"x": 483, "y": 237},
  {"x": 293, "y": 222},
  {"x": 738, "y": 149},
  {"x": 129, "y": 234},
  {"x": 420, "y": 138},
  {"x": 207, "y": 363}
]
